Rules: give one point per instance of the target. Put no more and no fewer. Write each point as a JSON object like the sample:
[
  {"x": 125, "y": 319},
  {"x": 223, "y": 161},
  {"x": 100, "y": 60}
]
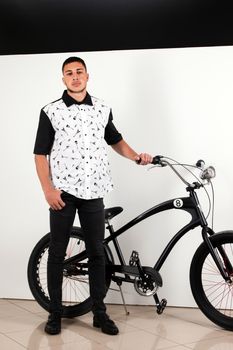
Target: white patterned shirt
[{"x": 74, "y": 135}]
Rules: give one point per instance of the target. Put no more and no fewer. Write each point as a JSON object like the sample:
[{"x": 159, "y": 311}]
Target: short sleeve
[
  {"x": 45, "y": 135},
  {"x": 112, "y": 136}
]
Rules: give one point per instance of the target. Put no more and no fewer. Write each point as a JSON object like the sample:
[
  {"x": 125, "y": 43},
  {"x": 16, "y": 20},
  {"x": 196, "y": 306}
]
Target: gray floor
[{"x": 22, "y": 323}]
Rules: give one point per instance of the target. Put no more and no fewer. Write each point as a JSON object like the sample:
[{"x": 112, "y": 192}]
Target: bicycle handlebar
[{"x": 207, "y": 173}]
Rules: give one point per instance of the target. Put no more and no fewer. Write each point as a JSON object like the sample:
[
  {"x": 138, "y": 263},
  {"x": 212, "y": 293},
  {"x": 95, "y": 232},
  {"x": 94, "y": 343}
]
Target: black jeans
[{"x": 91, "y": 216}]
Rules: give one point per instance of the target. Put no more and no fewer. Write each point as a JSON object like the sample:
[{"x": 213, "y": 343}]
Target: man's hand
[
  {"x": 54, "y": 200},
  {"x": 144, "y": 159}
]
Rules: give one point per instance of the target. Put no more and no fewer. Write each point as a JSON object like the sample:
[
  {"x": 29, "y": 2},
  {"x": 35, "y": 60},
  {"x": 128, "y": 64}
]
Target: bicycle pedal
[
  {"x": 161, "y": 306},
  {"x": 134, "y": 258}
]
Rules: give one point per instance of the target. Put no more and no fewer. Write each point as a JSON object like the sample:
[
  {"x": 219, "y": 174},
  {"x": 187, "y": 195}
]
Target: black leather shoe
[
  {"x": 103, "y": 321},
  {"x": 53, "y": 325}
]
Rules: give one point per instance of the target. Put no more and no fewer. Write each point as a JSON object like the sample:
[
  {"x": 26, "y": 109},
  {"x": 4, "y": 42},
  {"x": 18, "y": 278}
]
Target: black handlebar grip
[{"x": 156, "y": 160}]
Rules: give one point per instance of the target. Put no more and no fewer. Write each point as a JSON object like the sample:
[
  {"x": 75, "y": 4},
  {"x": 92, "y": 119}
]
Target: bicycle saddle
[{"x": 111, "y": 212}]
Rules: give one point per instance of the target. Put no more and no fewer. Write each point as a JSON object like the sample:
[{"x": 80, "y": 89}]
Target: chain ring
[{"x": 146, "y": 287}]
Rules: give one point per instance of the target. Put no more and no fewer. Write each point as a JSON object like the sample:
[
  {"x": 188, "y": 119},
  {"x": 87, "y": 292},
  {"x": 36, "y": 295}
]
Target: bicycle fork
[{"x": 215, "y": 253}]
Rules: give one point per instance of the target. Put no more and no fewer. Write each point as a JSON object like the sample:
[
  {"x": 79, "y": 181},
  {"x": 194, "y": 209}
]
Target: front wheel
[
  {"x": 212, "y": 293},
  {"x": 75, "y": 287}
]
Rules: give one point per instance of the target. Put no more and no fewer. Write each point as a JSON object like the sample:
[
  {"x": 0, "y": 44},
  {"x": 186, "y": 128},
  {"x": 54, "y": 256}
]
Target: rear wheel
[
  {"x": 76, "y": 300},
  {"x": 212, "y": 293}
]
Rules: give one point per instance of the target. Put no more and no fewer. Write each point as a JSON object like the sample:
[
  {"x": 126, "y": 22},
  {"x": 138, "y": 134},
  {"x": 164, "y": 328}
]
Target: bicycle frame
[{"x": 189, "y": 204}]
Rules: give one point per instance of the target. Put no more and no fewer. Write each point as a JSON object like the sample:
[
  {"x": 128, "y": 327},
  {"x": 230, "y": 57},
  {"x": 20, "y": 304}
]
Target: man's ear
[{"x": 63, "y": 80}]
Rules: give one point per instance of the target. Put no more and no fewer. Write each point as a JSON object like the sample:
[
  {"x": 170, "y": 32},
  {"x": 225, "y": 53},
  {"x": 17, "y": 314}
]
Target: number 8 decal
[{"x": 178, "y": 203}]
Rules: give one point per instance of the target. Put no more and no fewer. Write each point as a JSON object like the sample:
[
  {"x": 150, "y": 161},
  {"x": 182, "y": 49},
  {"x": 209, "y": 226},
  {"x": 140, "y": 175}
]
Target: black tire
[
  {"x": 212, "y": 293},
  {"x": 75, "y": 288}
]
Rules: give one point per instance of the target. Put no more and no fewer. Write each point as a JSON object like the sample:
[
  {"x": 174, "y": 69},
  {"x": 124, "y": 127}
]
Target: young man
[{"x": 73, "y": 169}]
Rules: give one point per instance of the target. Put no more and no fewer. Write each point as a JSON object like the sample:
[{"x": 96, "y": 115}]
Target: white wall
[{"x": 175, "y": 102}]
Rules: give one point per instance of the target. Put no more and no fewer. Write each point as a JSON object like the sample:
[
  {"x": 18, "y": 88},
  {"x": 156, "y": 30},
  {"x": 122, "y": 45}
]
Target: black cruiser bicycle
[{"x": 211, "y": 270}]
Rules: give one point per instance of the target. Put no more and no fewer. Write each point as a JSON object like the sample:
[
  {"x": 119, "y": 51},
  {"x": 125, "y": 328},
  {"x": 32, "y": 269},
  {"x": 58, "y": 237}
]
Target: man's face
[{"x": 75, "y": 77}]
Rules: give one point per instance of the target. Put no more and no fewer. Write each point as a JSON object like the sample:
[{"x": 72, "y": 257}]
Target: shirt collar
[{"x": 69, "y": 101}]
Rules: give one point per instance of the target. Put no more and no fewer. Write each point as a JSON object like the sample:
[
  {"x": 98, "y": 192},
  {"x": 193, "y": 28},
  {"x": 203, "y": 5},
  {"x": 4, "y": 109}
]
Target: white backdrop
[{"x": 175, "y": 102}]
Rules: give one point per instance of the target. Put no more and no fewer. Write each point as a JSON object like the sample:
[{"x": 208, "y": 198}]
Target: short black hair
[{"x": 73, "y": 59}]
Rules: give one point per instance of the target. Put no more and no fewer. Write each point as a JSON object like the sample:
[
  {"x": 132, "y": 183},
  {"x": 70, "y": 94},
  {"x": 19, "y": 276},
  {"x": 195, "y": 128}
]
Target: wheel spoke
[{"x": 218, "y": 292}]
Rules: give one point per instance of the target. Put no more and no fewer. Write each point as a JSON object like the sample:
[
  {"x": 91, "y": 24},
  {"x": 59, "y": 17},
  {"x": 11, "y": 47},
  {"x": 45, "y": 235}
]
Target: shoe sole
[
  {"x": 96, "y": 325},
  {"x": 52, "y": 332}
]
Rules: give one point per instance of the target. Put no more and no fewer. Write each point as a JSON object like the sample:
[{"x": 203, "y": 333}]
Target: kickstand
[{"x": 123, "y": 299}]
